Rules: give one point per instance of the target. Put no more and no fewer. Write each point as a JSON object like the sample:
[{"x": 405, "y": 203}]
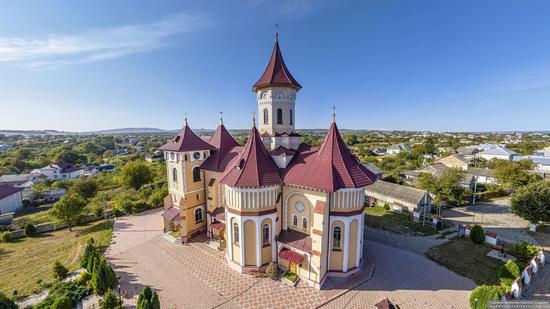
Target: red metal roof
[
  {"x": 282, "y": 151},
  {"x": 218, "y": 226},
  {"x": 7, "y": 191},
  {"x": 254, "y": 167},
  {"x": 291, "y": 256},
  {"x": 224, "y": 144},
  {"x": 300, "y": 241},
  {"x": 329, "y": 168},
  {"x": 186, "y": 140},
  {"x": 276, "y": 73},
  {"x": 171, "y": 214}
]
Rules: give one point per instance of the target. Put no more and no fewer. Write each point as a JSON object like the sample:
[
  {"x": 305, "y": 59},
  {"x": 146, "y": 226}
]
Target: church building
[{"x": 274, "y": 199}]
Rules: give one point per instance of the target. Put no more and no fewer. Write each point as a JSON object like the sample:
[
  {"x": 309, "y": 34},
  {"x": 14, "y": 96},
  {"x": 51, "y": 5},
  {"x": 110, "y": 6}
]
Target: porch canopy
[
  {"x": 218, "y": 226},
  {"x": 171, "y": 214},
  {"x": 291, "y": 256}
]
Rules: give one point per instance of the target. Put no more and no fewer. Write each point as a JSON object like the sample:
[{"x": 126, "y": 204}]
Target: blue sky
[{"x": 412, "y": 65}]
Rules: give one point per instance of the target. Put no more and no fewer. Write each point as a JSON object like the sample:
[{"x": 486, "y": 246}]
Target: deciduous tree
[{"x": 68, "y": 209}]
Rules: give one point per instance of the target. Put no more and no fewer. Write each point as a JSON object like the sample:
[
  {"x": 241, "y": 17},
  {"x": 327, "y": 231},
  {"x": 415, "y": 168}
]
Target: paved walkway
[{"x": 196, "y": 276}]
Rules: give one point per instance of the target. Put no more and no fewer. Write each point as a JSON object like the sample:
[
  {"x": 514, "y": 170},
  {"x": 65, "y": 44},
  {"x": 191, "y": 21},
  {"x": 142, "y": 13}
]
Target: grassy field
[
  {"x": 25, "y": 261},
  {"x": 467, "y": 259},
  {"x": 394, "y": 222}
]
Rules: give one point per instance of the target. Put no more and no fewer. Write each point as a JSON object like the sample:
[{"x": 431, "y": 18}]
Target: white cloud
[{"x": 99, "y": 44}]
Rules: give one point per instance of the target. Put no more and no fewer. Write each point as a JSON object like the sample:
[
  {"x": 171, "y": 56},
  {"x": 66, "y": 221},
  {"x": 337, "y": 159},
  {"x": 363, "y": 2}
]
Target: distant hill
[{"x": 132, "y": 130}]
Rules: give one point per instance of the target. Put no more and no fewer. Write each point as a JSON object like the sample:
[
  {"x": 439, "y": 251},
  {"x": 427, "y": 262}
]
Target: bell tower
[{"x": 276, "y": 95}]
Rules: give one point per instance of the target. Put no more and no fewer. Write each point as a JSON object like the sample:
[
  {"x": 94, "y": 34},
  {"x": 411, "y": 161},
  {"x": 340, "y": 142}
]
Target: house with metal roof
[
  {"x": 273, "y": 200},
  {"x": 497, "y": 152},
  {"x": 398, "y": 196}
]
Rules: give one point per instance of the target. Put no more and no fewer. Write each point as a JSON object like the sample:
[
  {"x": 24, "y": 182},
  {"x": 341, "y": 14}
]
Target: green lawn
[
  {"x": 394, "y": 222},
  {"x": 467, "y": 259},
  {"x": 175, "y": 234},
  {"x": 25, "y": 261},
  {"x": 290, "y": 276}
]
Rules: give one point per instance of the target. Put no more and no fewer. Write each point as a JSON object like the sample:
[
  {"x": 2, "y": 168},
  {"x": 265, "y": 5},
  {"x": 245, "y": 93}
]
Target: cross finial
[
  {"x": 253, "y": 119},
  {"x": 334, "y": 113},
  {"x": 185, "y": 118},
  {"x": 221, "y": 118},
  {"x": 276, "y": 32}
]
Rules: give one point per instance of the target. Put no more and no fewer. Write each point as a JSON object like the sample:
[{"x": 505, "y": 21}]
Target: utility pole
[{"x": 475, "y": 190}]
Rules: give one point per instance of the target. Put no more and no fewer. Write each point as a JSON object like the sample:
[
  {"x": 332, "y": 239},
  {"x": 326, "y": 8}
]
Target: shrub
[
  {"x": 71, "y": 290},
  {"x": 110, "y": 301},
  {"x": 117, "y": 212},
  {"x": 89, "y": 253},
  {"x": 524, "y": 251},
  {"x": 272, "y": 271},
  {"x": 477, "y": 234},
  {"x": 59, "y": 271},
  {"x": 6, "y": 303},
  {"x": 103, "y": 277},
  {"x": 83, "y": 278},
  {"x": 507, "y": 273},
  {"x": 5, "y": 236},
  {"x": 62, "y": 302},
  {"x": 30, "y": 230},
  {"x": 148, "y": 299},
  {"x": 485, "y": 294},
  {"x": 386, "y": 206}
]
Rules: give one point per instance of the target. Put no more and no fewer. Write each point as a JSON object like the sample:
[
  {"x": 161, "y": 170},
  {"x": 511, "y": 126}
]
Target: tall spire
[
  {"x": 221, "y": 118},
  {"x": 186, "y": 119},
  {"x": 334, "y": 113},
  {"x": 276, "y": 73}
]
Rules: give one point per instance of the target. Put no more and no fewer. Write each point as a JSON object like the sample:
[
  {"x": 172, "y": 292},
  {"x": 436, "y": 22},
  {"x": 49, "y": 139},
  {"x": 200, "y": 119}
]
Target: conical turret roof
[
  {"x": 186, "y": 140},
  {"x": 224, "y": 143},
  {"x": 276, "y": 73},
  {"x": 254, "y": 167},
  {"x": 330, "y": 168}
]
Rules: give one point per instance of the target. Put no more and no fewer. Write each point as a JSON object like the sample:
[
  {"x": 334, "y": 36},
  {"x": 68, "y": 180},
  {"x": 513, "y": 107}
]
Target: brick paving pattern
[{"x": 197, "y": 276}]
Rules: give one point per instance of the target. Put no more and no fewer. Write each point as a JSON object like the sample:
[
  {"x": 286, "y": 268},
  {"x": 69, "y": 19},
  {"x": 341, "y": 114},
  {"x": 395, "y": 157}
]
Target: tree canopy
[
  {"x": 68, "y": 209},
  {"x": 136, "y": 174},
  {"x": 512, "y": 175},
  {"x": 447, "y": 187},
  {"x": 532, "y": 202}
]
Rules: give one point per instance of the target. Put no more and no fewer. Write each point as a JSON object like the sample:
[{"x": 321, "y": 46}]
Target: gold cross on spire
[
  {"x": 221, "y": 118},
  {"x": 334, "y": 113},
  {"x": 185, "y": 118},
  {"x": 277, "y": 32}
]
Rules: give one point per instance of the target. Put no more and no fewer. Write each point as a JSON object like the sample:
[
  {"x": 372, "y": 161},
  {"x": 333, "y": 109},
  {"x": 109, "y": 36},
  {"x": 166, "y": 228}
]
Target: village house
[
  {"x": 497, "y": 152},
  {"x": 274, "y": 199},
  {"x": 11, "y": 199},
  {"x": 483, "y": 175},
  {"x": 375, "y": 170},
  {"x": 19, "y": 180},
  {"x": 437, "y": 169},
  {"x": 398, "y": 197},
  {"x": 454, "y": 160},
  {"x": 59, "y": 171},
  {"x": 398, "y": 148}
]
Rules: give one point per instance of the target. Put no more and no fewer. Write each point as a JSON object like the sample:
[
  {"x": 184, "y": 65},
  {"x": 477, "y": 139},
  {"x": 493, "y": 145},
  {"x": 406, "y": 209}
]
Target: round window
[
  {"x": 299, "y": 206},
  {"x": 197, "y": 155}
]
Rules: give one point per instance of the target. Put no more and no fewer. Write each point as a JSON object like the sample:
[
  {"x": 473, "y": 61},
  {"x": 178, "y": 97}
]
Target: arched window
[
  {"x": 198, "y": 215},
  {"x": 266, "y": 116},
  {"x": 235, "y": 233},
  {"x": 291, "y": 116},
  {"x": 295, "y": 220},
  {"x": 336, "y": 238},
  {"x": 279, "y": 116},
  {"x": 175, "y": 175},
  {"x": 265, "y": 234},
  {"x": 304, "y": 223},
  {"x": 196, "y": 174}
]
